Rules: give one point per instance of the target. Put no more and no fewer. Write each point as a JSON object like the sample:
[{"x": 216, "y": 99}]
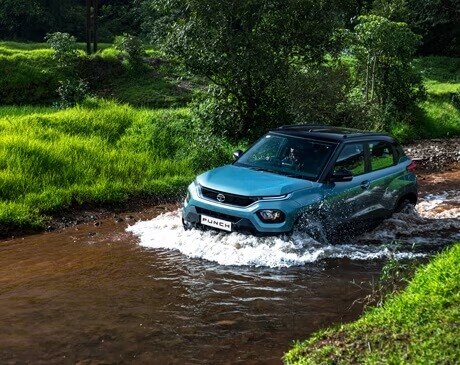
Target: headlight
[
  {"x": 271, "y": 215},
  {"x": 278, "y": 197}
]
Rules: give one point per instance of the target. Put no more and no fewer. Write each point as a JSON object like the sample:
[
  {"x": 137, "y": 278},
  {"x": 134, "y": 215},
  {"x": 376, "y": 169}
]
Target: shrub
[
  {"x": 130, "y": 48},
  {"x": 65, "y": 48},
  {"x": 71, "y": 91}
]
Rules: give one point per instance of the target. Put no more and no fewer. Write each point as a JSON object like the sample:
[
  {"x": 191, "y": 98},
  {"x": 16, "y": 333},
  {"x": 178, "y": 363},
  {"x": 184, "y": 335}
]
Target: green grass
[
  {"x": 158, "y": 86},
  {"x": 438, "y": 116},
  {"x": 94, "y": 153},
  {"x": 421, "y": 325},
  {"x": 28, "y": 76}
]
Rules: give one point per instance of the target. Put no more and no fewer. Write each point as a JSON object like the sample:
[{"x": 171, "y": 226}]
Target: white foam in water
[{"x": 427, "y": 222}]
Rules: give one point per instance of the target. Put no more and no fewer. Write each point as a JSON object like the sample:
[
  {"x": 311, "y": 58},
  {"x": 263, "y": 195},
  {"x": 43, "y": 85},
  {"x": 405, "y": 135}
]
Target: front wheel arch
[{"x": 406, "y": 199}]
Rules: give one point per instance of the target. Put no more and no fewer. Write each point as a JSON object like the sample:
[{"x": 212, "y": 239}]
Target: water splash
[{"x": 433, "y": 222}]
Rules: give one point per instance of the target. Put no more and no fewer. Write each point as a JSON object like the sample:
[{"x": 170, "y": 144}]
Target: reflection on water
[{"x": 78, "y": 297}]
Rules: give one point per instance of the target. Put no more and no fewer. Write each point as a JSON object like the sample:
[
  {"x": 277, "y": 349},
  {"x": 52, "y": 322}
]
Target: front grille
[
  {"x": 231, "y": 199},
  {"x": 213, "y": 214}
]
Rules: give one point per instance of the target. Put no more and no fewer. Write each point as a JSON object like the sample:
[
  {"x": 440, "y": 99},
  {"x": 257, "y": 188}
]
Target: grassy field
[
  {"x": 28, "y": 76},
  {"x": 418, "y": 326},
  {"x": 97, "y": 152}
]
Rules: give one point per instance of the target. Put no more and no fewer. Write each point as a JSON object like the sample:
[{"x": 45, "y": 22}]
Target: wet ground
[{"x": 97, "y": 294}]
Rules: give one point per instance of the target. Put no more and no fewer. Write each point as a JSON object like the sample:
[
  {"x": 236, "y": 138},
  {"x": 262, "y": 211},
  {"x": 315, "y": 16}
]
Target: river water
[{"x": 148, "y": 293}]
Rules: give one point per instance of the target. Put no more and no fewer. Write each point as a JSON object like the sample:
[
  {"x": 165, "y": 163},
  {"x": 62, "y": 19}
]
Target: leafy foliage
[
  {"x": 245, "y": 49},
  {"x": 384, "y": 51},
  {"x": 31, "y": 20},
  {"x": 131, "y": 49},
  {"x": 71, "y": 91},
  {"x": 435, "y": 20},
  {"x": 65, "y": 48}
]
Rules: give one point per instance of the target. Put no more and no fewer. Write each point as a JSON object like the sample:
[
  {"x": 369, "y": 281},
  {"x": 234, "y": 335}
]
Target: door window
[
  {"x": 351, "y": 158},
  {"x": 381, "y": 154}
]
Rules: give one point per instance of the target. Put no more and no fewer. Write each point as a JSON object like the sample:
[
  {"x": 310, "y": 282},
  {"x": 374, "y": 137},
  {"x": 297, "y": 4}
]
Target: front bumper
[{"x": 243, "y": 219}]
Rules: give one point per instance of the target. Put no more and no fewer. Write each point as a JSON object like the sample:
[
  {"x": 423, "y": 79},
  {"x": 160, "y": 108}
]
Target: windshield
[{"x": 290, "y": 156}]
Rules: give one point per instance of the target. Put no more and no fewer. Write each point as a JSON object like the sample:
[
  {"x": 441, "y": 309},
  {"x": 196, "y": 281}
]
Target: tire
[{"x": 404, "y": 206}]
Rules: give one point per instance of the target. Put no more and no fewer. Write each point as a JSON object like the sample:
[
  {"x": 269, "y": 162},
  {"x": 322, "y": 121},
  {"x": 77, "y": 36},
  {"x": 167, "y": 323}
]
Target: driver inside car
[{"x": 293, "y": 159}]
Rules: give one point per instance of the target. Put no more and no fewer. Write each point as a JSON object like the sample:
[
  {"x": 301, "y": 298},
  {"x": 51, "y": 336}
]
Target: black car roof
[{"x": 328, "y": 133}]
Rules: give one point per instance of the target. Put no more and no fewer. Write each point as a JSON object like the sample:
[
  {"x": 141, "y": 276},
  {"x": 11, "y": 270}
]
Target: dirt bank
[{"x": 435, "y": 154}]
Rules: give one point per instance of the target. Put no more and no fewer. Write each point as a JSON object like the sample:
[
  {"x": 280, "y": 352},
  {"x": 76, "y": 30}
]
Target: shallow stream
[{"x": 150, "y": 293}]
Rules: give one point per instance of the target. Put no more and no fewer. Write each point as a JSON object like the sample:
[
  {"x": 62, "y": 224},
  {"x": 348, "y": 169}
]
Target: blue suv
[{"x": 301, "y": 174}]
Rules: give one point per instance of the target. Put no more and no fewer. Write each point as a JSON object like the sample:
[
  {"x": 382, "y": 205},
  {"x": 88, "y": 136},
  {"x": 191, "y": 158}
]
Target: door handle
[{"x": 365, "y": 184}]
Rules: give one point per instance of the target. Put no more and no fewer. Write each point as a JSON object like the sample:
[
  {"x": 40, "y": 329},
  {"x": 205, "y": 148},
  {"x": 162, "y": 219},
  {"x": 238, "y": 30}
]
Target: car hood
[{"x": 243, "y": 181}]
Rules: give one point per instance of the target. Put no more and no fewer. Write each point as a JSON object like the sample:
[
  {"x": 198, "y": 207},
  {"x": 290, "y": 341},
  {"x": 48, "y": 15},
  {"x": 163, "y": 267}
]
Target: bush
[
  {"x": 315, "y": 94},
  {"x": 384, "y": 51},
  {"x": 225, "y": 115},
  {"x": 65, "y": 48},
  {"x": 130, "y": 48},
  {"x": 71, "y": 92}
]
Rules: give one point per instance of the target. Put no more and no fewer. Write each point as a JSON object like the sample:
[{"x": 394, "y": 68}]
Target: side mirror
[
  {"x": 342, "y": 176},
  {"x": 237, "y": 154}
]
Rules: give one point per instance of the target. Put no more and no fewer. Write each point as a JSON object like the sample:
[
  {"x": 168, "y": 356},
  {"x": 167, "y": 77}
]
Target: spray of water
[{"x": 435, "y": 221}]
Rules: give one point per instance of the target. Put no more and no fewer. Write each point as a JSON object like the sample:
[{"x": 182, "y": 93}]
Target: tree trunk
[
  {"x": 88, "y": 26},
  {"x": 95, "y": 13},
  {"x": 373, "y": 77},
  {"x": 366, "y": 86}
]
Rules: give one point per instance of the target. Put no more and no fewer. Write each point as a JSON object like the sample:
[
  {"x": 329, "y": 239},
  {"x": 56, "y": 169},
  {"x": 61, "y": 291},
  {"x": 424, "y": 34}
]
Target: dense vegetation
[
  {"x": 417, "y": 326},
  {"x": 133, "y": 119},
  {"x": 31, "y": 20},
  {"x": 97, "y": 152}
]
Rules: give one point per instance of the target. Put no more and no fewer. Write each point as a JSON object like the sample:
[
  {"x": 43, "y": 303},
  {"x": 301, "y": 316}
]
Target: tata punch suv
[{"x": 335, "y": 176}]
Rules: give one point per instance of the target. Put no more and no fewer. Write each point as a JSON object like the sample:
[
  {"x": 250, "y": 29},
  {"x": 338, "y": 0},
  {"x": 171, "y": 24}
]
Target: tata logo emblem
[{"x": 220, "y": 197}]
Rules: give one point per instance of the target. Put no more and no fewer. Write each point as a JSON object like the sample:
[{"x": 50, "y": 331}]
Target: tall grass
[
  {"x": 97, "y": 152},
  {"x": 417, "y": 326},
  {"x": 27, "y": 76}
]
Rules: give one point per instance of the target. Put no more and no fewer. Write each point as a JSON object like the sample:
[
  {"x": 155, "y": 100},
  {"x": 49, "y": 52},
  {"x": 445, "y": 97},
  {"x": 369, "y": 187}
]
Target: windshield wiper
[{"x": 261, "y": 169}]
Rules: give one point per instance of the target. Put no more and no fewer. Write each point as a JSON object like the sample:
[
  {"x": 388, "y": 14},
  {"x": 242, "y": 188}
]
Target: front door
[{"x": 348, "y": 202}]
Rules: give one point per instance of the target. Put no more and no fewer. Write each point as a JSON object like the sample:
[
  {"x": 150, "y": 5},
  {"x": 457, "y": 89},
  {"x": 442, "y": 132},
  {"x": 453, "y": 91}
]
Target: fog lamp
[{"x": 271, "y": 215}]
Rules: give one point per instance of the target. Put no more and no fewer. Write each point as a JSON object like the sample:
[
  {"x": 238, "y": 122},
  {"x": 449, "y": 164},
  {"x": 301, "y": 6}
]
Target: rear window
[{"x": 381, "y": 155}]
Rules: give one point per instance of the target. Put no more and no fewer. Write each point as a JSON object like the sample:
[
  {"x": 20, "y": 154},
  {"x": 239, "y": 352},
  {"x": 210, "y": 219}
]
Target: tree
[
  {"x": 19, "y": 19},
  {"x": 435, "y": 20},
  {"x": 245, "y": 49},
  {"x": 384, "y": 51}
]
